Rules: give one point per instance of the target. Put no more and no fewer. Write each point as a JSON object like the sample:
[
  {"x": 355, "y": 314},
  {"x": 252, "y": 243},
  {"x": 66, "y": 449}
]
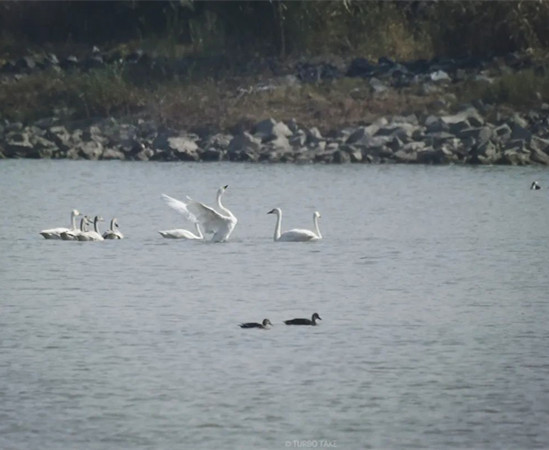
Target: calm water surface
[{"x": 432, "y": 283}]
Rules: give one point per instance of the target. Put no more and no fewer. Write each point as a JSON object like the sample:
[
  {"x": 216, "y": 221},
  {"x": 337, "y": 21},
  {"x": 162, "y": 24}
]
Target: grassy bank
[{"x": 229, "y": 102}]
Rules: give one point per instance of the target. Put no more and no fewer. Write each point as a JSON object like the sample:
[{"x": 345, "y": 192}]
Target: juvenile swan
[
  {"x": 113, "y": 232},
  {"x": 180, "y": 233},
  {"x": 55, "y": 233},
  {"x": 264, "y": 325},
  {"x": 219, "y": 224},
  {"x": 297, "y": 234},
  {"x": 312, "y": 321}
]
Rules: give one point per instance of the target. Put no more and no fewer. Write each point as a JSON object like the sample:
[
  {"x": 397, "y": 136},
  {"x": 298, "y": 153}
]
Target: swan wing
[
  {"x": 180, "y": 207},
  {"x": 54, "y": 233},
  {"x": 209, "y": 218}
]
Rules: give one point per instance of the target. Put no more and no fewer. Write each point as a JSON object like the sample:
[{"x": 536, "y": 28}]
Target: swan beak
[
  {"x": 226, "y": 186},
  {"x": 271, "y": 211}
]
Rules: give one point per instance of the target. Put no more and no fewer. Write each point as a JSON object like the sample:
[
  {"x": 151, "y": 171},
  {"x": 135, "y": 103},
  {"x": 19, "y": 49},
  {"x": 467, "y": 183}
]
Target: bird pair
[{"x": 266, "y": 322}]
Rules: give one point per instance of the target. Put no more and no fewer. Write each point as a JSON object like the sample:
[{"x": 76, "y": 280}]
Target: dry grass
[{"x": 222, "y": 105}]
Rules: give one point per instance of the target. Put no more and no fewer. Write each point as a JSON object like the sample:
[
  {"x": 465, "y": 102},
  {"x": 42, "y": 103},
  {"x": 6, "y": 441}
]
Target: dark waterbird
[
  {"x": 535, "y": 186},
  {"x": 264, "y": 325},
  {"x": 311, "y": 321}
]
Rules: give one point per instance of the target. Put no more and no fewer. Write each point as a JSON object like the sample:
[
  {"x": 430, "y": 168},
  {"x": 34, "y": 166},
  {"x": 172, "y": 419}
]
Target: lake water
[{"x": 432, "y": 283}]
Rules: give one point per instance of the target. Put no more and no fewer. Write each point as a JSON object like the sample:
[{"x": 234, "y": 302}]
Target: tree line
[{"x": 284, "y": 28}]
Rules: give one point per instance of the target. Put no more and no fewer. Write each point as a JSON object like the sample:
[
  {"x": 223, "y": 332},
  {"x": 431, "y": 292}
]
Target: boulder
[
  {"x": 270, "y": 129},
  {"x": 244, "y": 142},
  {"x": 183, "y": 148}
]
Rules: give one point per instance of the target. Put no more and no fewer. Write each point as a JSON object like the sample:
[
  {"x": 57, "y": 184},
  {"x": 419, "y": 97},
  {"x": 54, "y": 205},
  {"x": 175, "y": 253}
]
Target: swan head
[
  {"x": 75, "y": 212},
  {"x": 266, "y": 322},
  {"x": 316, "y": 214},
  {"x": 316, "y": 316},
  {"x": 98, "y": 219},
  {"x": 274, "y": 211}
]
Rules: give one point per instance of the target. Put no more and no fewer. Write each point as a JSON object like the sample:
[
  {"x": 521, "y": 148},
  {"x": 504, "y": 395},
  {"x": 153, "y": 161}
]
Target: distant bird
[
  {"x": 55, "y": 233},
  {"x": 297, "y": 234},
  {"x": 535, "y": 186},
  {"x": 73, "y": 235},
  {"x": 219, "y": 224},
  {"x": 114, "y": 232},
  {"x": 264, "y": 325},
  {"x": 93, "y": 235},
  {"x": 312, "y": 321}
]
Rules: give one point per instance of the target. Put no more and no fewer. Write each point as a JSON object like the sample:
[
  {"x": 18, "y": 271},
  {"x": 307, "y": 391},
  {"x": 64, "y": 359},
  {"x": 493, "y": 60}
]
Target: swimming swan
[
  {"x": 180, "y": 233},
  {"x": 73, "y": 235},
  {"x": 220, "y": 224},
  {"x": 297, "y": 234},
  {"x": 264, "y": 325},
  {"x": 113, "y": 233},
  {"x": 55, "y": 233},
  {"x": 93, "y": 235},
  {"x": 303, "y": 321}
]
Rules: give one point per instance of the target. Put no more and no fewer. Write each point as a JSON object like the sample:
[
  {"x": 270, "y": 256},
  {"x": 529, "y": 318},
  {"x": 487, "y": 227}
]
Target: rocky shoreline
[
  {"x": 473, "y": 135},
  {"x": 462, "y": 138}
]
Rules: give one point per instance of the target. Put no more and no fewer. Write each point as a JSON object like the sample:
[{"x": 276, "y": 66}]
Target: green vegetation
[{"x": 247, "y": 31}]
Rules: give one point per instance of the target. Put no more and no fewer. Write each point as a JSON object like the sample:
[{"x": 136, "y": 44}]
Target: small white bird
[
  {"x": 113, "y": 232},
  {"x": 297, "y": 234},
  {"x": 55, "y": 233},
  {"x": 219, "y": 224}
]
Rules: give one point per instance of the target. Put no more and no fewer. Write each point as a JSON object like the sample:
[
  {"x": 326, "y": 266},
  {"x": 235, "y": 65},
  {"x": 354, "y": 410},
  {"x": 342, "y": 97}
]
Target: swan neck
[
  {"x": 73, "y": 221},
  {"x": 317, "y": 229},
  {"x": 220, "y": 205},
  {"x": 278, "y": 225},
  {"x": 96, "y": 225}
]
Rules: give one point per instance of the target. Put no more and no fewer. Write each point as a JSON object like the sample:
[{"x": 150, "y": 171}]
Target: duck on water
[
  {"x": 311, "y": 321},
  {"x": 264, "y": 325}
]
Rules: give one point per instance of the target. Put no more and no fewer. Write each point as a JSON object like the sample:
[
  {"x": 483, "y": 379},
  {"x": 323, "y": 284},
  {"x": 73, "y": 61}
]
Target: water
[{"x": 431, "y": 282}]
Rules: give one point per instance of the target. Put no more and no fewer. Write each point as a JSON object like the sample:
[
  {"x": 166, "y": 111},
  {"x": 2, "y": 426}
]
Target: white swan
[
  {"x": 113, "y": 233},
  {"x": 55, "y": 233},
  {"x": 180, "y": 233},
  {"x": 220, "y": 224},
  {"x": 93, "y": 235},
  {"x": 297, "y": 234},
  {"x": 72, "y": 235}
]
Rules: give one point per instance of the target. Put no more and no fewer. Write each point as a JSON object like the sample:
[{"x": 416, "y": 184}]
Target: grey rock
[
  {"x": 480, "y": 135},
  {"x": 244, "y": 142},
  {"x": 18, "y": 145},
  {"x": 270, "y": 129},
  {"x": 539, "y": 156},
  {"x": 60, "y": 136},
  {"x": 112, "y": 153},
  {"x": 89, "y": 150},
  {"x": 183, "y": 148}
]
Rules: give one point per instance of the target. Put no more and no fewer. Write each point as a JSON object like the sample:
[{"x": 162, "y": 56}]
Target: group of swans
[
  {"x": 221, "y": 224},
  {"x": 266, "y": 324},
  {"x": 83, "y": 233}
]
